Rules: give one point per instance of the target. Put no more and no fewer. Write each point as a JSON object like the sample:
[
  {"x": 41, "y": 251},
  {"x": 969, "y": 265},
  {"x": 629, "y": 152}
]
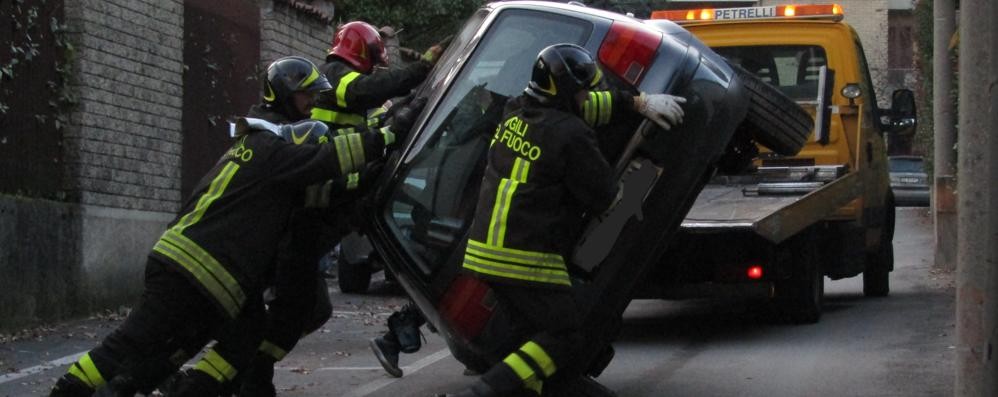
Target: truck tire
[
  {"x": 774, "y": 120},
  {"x": 800, "y": 297},
  {"x": 876, "y": 275},
  {"x": 354, "y": 278}
]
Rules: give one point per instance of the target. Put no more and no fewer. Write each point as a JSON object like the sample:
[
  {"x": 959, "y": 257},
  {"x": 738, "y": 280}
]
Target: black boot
[
  {"x": 258, "y": 379},
  {"x": 405, "y": 324},
  {"x": 70, "y": 386},
  {"x": 193, "y": 383},
  {"x": 386, "y": 349}
]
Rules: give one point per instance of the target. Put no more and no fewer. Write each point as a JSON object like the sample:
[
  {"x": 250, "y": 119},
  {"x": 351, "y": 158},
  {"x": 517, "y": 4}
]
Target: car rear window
[
  {"x": 793, "y": 69},
  {"x": 906, "y": 165}
]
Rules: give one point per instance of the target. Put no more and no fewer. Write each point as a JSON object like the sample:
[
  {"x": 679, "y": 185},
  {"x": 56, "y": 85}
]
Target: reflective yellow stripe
[
  {"x": 214, "y": 365},
  {"x": 524, "y": 372},
  {"x": 550, "y": 261},
  {"x": 607, "y": 107},
  {"x": 334, "y": 117},
  {"x": 85, "y": 370},
  {"x": 389, "y": 135},
  {"x": 589, "y": 109},
  {"x": 317, "y": 195},
  {"x": 343, "y": 153},
  {"x": 540, "y": 357},
  {"x": 504, "y": 197},
  {"x": 341, "y": 88},
  {"x": 219, "y": 283},
  {"x": 215, "y": 190},
  {"x": 509, "y": 251},
  {"x": 344, "y": 131},
  {"x": 272, "y": 350},
  {"x": 524, "y": 168},
  {"x": 356, "y": 150},
  {"x": 517, "y": 272},
  {"x": 308, "y": 81},
  {"x": 353, "y": 180}
]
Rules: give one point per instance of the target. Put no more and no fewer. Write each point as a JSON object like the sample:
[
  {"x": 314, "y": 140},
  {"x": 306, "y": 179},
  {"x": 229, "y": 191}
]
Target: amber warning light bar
[{"x": 798, "y": 11}]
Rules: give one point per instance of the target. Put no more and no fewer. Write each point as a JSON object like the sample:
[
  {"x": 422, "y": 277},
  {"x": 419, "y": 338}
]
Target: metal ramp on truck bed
[{"x": 775, "y": 202}]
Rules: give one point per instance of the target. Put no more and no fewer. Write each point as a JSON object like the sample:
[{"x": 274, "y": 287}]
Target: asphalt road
[{"x": 896, "y": 346}]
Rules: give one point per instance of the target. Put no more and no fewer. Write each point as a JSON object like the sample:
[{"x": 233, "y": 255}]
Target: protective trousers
[
  {"x": 549, "y": 317},
  {"x": 171, "y": 323}
]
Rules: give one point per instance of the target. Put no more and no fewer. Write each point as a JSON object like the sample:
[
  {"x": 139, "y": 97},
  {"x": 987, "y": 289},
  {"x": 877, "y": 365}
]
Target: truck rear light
[
  {"x": 467, "y": 305},
  {"x": 628, "y": 50},
  {"x": 754, "y": 272}
]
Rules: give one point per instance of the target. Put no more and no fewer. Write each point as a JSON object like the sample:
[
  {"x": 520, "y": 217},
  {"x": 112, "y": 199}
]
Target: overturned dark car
[{"x": 423, "y": 205}]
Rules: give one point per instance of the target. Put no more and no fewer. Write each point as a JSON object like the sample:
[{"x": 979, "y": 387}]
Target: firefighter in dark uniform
[
  {"x": 543, "y": 160},
  {"x": 358, "y": 86},
  {"x": 205, "y": 275}
]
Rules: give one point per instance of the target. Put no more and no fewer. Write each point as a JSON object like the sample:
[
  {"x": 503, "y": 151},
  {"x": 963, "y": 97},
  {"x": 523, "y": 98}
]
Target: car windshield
[
  {"x": 430, "y": 209},
  {"x": 906, "y": 165},
  {"x": 793, "y": 69}
]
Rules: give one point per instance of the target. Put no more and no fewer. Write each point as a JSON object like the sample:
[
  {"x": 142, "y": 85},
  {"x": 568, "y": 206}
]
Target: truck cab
[{"x": 773, "y": 225}]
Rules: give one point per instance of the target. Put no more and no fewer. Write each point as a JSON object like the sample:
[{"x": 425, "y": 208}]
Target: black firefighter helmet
[
  {"x": 286, "y": 76},
  {"x": 560, "y": 72}
]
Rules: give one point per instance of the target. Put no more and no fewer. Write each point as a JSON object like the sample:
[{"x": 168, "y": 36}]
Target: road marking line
[
  {"x": 378, "y": 384},
  {"x": 41, "y": 368}
]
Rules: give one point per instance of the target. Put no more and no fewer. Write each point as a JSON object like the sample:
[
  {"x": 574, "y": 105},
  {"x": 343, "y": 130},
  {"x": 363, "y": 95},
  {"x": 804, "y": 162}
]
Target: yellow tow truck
[{"x": 772, "y": 226}]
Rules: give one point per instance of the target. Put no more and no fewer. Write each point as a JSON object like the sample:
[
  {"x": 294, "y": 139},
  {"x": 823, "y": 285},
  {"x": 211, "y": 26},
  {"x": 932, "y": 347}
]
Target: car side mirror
[{"x": 902, "y": 118}]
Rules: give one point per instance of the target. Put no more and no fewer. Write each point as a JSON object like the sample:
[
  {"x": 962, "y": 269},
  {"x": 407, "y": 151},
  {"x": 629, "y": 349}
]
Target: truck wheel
[
  {"x": 800, "y": 297},
  {"x": 876, "y": 275},
  {"x": 354, "y": 278},
  {"x": 773, "y": 119}
]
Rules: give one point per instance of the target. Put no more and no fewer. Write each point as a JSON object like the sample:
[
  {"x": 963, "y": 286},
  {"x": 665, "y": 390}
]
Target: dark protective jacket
[
  {"x": 541, "y": 162},
  {"x": 354, "y": 93},
  {"x": 226, "y": 236}
]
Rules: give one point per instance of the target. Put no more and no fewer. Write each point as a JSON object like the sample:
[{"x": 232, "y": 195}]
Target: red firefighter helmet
[{"x": 360, "y": 45}]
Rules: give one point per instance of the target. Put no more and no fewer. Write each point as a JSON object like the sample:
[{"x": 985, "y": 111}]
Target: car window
[
  {"x": 906, "y": 165},
  {"x": 793, "y": 69},
  {"x": 431, "y": 209}
]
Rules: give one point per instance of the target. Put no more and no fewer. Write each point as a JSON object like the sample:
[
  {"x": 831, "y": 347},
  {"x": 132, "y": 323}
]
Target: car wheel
[
  {"x": 876, "y": 275},
  {"x": 800, "y": 297},
  {"x": 354, "y": 278},
  {"x": 774, "y": 120}
]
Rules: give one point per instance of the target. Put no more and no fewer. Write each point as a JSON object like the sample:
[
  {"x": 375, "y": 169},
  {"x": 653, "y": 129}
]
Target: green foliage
[
  {"x": 923, "y": 62},
  {"x": 425, "y": 21}
]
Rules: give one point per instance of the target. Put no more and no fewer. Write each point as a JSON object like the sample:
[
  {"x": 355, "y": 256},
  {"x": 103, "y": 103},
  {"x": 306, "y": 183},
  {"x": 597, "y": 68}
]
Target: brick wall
[
  {"x": 287, "y": 29},
  {"x": 869, "y": 19},
  {"x": 123, "y": 145}
]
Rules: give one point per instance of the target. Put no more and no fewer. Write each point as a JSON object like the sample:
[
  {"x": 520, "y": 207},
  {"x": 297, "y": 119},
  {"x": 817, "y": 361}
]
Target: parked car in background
[{"x": 909, "y": 181}]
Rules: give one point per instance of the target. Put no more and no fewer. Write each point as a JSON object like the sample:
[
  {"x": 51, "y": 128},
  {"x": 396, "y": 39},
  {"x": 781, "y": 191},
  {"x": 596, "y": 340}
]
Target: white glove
[{"x": 663, "y": 109}]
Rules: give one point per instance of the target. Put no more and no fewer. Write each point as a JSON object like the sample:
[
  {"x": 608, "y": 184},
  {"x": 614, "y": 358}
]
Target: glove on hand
[
  {"x": 432, "y": 54},
  {"x": 663, "y": 109}
]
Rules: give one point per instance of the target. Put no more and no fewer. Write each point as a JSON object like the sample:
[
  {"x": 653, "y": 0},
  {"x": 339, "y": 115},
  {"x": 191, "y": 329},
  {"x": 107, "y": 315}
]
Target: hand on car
[
  {"x": 663, "y": 109},
  {"x": 433, "y": 53}
]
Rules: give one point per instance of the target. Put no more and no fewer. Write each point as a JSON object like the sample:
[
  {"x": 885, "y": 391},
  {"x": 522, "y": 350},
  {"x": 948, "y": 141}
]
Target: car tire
[
  {"x": 876, "y": 275},
  {"x": 354, "y": 278},
  {"x": 800, "y": 297},
  {"x": 773, "y": 119}
]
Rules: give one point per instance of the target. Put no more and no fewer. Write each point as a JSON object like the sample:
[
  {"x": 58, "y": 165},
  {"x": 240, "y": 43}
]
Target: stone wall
[{"x": 289, "y": 28}]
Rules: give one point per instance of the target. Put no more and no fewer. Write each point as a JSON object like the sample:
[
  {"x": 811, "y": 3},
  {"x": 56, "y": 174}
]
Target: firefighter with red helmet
[
  {"x": 204, "y": 275},
  {"x": 542, "y": 162},
  {"x": 358, "y": 83}
]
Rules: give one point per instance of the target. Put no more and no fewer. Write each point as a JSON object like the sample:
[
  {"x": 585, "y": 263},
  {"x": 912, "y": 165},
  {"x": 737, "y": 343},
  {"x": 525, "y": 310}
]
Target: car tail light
[
  {"x": 628, "y": 50},
  {"x": 754, "y": 272},
  {"x": 467, "y": 305}
]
